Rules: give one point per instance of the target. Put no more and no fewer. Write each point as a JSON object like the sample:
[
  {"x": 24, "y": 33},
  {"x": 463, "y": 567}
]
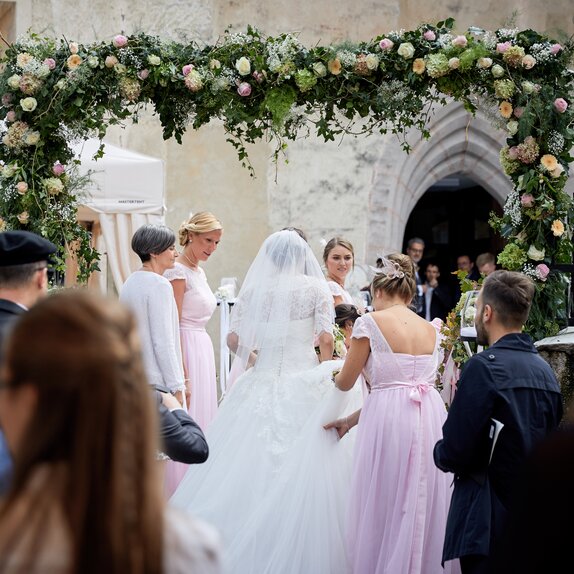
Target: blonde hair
[
  {"x": 405, "y": 287},
  {"x": 200, "y": 222}
]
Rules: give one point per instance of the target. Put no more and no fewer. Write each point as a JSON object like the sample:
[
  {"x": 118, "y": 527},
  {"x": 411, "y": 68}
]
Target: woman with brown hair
[
  {"x": 339, "y": 259},
  {"x": 79, "y": 421}
]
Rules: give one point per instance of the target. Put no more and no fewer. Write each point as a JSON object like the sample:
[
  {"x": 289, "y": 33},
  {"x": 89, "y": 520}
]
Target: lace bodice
[
  {"x": 287, "y": 322},
  {"x": 199, "y": 302},
  {"x": 386, "y": 369}
]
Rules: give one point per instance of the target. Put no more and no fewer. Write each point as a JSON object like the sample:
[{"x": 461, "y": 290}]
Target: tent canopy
[{"x": 126, "y": 190}]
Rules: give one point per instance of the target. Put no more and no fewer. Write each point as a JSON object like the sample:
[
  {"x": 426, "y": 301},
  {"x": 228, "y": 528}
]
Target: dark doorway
[{"x": 452, "y": 218}]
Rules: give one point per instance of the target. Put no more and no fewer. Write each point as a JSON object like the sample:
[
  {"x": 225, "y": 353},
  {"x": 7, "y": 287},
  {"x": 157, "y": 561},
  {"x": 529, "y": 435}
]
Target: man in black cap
[{"x": 24, "y": 258}]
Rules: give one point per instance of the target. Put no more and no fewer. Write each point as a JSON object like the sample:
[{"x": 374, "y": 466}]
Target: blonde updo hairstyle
[
  {"x": 332, "y": 243},
  {"x": 200, "y": 222},
  {"x": 403, "y": 287}
]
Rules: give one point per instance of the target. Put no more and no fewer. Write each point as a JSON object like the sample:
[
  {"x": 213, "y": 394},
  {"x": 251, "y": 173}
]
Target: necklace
[
  {"x": 395, "y": 305},
  {"x": 335, "y": 281},
  {"x": 191, "y": 264}
]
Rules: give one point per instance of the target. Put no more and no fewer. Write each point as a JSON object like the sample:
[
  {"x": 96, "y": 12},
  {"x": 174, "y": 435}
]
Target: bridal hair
[
  {"x": 396, "y": 276},
  {"x": 200, "y": 222},
  {"x": 332, "y": 243},
  {"x": 298, "y": 231},
  {"x": 94, "y": 434},
  {"x": 152, "y": 238}
]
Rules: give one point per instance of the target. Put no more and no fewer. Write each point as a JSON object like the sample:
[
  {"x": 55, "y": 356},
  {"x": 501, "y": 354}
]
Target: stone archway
[{"x": 459, "y": 143}]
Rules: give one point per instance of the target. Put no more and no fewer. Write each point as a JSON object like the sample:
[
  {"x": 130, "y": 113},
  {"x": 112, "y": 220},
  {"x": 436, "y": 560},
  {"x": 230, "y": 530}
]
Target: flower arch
[{"x": 54, "y": 92}]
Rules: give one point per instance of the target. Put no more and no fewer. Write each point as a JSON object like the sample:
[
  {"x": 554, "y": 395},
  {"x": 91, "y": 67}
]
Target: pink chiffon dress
[
  {"x": 399, "y": 499},
  {"x": 199, "y": 303}
]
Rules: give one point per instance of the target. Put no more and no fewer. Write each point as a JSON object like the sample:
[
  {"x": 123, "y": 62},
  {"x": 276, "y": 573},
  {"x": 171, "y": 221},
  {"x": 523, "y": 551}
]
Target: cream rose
[
  {"x": 535, "y": 254},
  {"x": 557, "y": 228},
  {"x": 243, "y": 66},
  {"x": 372, "y": 61},
  {"x": 406, "y": 50},
  {"x": 32, "y": 138},
  {"x": 497, "y": 71},
  {"x": 14, "y": 81},
  {"x": 23, "y": 217},
  {"x": 28, "y": 104}
]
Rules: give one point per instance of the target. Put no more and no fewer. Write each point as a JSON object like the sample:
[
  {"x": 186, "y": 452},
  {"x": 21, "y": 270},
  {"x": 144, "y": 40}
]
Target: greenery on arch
[{"x": 54, "y": 92}]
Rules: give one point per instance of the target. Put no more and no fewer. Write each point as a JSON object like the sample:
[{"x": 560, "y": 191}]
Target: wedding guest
[
  {"x": 199, "y": 236},
  {"x": 24, "y": 258},
  {"x": 437, "y": 300},
  {"x": 345, "y": 317},
  {"x": 150, "y": 297},
  {"x": 509, "y": 387},
  {"x": 81, "y": 426},
  {"x": 339, "y": 259},
  {"x": 415, "y": 250},
  {"x": 466, "y": 264},
  {"x": 486, "y": 263},
  {"x": 399, "y": 500}
]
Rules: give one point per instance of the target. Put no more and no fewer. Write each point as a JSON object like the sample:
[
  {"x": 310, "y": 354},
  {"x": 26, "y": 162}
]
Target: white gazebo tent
[{"x": 126, "y": 191}]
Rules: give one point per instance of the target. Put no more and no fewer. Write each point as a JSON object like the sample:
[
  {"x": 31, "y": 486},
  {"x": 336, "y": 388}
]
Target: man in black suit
[{"x": 437, "y": 299}]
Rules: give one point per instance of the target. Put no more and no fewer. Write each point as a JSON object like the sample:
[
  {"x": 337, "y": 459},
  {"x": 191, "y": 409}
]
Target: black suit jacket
[
  {"x": 9, "y": 312},
  {"x": 182, "y": 439}
]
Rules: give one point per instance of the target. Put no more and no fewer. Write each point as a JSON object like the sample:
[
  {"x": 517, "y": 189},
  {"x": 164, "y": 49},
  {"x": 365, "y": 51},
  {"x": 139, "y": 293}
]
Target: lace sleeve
[
  {"x": 361, "y": 329},
  {"x": 323, "y": 313},
  {"x": 176, "y": 272}
]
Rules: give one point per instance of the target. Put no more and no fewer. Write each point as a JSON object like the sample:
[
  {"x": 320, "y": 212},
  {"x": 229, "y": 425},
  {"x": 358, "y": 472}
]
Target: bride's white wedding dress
[{"x": 276, "y": 483}]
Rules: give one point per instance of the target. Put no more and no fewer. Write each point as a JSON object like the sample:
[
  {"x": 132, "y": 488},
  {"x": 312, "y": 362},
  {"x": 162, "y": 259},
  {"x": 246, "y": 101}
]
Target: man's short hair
[
  {"x": 484, "y": 258},
  {"x": 510, "y": 294},
  {"x": 413, "y": 240},
  {"x": 16, "y": 276}
]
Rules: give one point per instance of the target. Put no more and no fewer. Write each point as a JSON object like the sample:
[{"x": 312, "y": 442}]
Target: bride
[{"x": 276, "y": 482}]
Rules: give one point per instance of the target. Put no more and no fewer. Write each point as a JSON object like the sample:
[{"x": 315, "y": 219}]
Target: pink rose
[
  {"x": 244, "y": 89},
  {"x": 143, "y": 74},
  {"x": 73, "y": 47},
  {"x": 460, "y": 41},
  {"x": 542, "y": 271},
  {"x": 513, "y": 152},
  {"x": 186, "y": 69},
  {"x": 429, "y": 35},
  {"x": 11, "y": 116},
  {"x": 58, "y": 169},
  {"x": 119, "y": 41},
  {"x": 527, "y": 200},
  {"x": 502, "y": 47},
  {"x": 50, "y": 62},
  {"x": 560, "y": 105},
  {"x": 21, "y": 187},
  {"x": 555, "y": 48},
  {"x": 518, "y": 112},
  {"x": 386, "y": 44},
  {"x": 6, "y": 99},
  {"x": 111, "y": 61},
  {"x": 259, "y": 77}
]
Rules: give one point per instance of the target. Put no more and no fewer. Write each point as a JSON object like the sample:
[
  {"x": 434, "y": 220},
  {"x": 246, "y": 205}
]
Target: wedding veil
[{"x": 284, "y": 284}]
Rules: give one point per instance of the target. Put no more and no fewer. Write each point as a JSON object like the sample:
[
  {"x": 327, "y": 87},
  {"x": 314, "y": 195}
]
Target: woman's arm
[
  {"x": 354, "y": 363},
  {"x": 337, "y": 299},
  {"x": 344, "y": 425},
  {"x": 326, "y": 346}
]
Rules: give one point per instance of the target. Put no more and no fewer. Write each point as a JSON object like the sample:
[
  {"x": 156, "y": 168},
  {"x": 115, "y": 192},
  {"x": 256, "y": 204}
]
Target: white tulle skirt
[{"x": 276, "y": 483}]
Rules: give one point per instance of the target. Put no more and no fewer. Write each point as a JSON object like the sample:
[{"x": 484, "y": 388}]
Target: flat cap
[{"x": 21, "y": 247}]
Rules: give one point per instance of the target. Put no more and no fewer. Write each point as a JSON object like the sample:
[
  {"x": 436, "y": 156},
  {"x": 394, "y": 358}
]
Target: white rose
[
  {"x": 93, "y": 62},
  {"x": 372, "y": 61},
  {"x": 28, "y": 104},
  {"x": 60, "y": 84},
  {"x": 154, "y": 60},
  {"x": 73, "y": 46},
  {"x": 497, "y": 71},
  {"x": 120, "y": 69},
  {"x": 454, "y": 63},
  {"x": 558, "y": 171},
  {"x": 528, "y": 62},
  {"x": 406, "y": 50},
  {"x": 512, "y": 127},
  {"x": 535, "y": 254},
  {"x": 469, "y": 315},
  {"x": 14, "y": 81},
  {"x": 484, "y": 63},
  {"x": 319, "y": 69},
  {"x": 243, "y": 66},
  {"x": 340, "y": 348},
  {"x": 9, "y": 170},
  {"x": 528, "y": 87}
]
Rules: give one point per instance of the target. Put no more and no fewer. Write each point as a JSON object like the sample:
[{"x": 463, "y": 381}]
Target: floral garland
[{"x": 54, "y": 92}]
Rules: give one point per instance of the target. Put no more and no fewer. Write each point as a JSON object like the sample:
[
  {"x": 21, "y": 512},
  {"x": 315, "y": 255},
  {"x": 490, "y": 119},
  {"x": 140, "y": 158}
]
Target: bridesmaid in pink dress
[
  {"x": 399, "y": 499},
  {"x": 199, "y": 236}
]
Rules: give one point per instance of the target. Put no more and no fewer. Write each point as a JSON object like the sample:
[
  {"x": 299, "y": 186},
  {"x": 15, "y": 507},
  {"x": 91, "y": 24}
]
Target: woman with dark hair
[
  {"x": 81, "y": 426},
  {"x": 150, "y": 296},
  {"x": 399, "y": 499},
  {"x": 345, "y": 317}
]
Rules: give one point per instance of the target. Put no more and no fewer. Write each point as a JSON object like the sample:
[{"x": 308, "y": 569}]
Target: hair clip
[{"x": 388, "y": 267}]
